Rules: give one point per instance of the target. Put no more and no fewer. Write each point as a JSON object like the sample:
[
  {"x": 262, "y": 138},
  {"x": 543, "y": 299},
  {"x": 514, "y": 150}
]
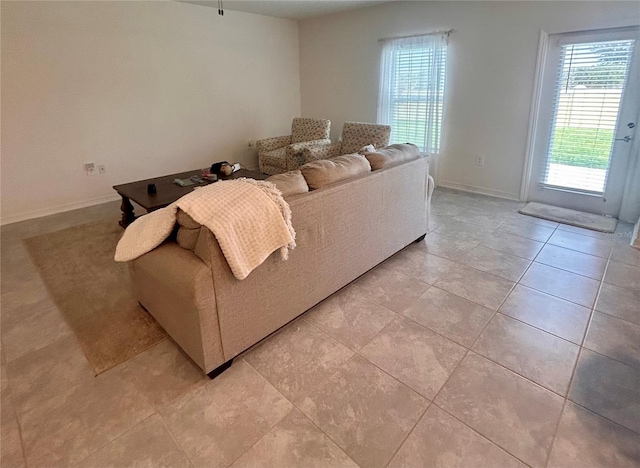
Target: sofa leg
[
  {"x": 220, "y": 369},
  {"x": 421, "y": 238}
]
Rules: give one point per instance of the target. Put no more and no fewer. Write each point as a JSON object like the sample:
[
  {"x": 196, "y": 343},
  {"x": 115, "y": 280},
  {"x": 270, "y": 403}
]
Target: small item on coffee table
[
  {"x": 216, "y": 168},
  {"x": 224, "y": 168},
  {"x": 183, "y": 182},
  {"x": 206, "y": 174},
  {"x": 151, "y": 189}
]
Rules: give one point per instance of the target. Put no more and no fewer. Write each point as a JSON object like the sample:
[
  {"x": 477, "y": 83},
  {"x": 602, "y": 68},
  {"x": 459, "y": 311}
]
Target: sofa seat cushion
[
  {"x": 392, "y": 154},
  {"x": 277, "y": 157},
  {"x": 290, "y": 183},
  {"x": 327, "y": 171}
]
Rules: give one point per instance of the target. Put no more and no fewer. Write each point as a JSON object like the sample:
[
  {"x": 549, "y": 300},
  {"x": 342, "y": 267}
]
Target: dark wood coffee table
[{"x": 166, "y": 191}]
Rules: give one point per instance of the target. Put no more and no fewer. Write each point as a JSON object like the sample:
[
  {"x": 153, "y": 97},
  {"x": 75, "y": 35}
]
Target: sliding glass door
[{"x": 588, "y": 108}]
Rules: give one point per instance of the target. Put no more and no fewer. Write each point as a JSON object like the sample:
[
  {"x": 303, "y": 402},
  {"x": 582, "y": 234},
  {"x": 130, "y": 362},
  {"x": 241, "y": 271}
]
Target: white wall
[
  {"x": 492, "y": 56},
  {"x": 147, "y": 88}
]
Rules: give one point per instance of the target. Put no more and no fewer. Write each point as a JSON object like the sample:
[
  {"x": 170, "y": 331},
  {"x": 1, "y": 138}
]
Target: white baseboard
[
  {"x": 16, "y": 218},
  {"x": 480, "y": 190},
  {"x": 635, "y": 238}
]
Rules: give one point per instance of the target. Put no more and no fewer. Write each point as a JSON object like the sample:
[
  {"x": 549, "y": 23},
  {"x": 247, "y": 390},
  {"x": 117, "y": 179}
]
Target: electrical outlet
[
  {"x": 102, "y": 169},
  {"x": 250, "y": 144},
  {"x": 90, "y": 168},
  {"x": 480, "y": 161}
]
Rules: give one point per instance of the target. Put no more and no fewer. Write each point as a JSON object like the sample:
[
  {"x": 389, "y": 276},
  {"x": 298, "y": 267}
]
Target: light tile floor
[{"x": 500, "y": 340}]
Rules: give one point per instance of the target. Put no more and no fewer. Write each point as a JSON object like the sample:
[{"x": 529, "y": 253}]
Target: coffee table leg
[{"x": 128, "y": 215}]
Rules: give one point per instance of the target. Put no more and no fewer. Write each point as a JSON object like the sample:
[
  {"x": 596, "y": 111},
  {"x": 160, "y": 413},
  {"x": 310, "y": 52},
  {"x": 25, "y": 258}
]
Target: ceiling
[{"x": 293, "y": 9}]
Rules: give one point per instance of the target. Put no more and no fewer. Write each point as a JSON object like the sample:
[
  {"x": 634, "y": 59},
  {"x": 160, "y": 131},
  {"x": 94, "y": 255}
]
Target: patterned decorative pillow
[
  {"x": 392, "y": 154},
  {"x": 290, "y": 183},
  {"x": 327, "y": 171}
]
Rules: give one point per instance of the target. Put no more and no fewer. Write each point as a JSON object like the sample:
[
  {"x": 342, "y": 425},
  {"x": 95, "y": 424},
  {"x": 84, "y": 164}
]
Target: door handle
[{"x": 626, "y": 139}]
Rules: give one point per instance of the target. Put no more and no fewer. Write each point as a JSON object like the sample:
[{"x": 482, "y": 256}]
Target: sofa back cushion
[
  {"x": 392, "y": 154},
  {"x": 187, "y": 238},
  {"x": 290, "y": 183},
  {"x": 188, "y": 231},
  {"x": 187, "y": 221},
  {"x": 305, "y": 129},
  {"x": 327, "y": 171}
]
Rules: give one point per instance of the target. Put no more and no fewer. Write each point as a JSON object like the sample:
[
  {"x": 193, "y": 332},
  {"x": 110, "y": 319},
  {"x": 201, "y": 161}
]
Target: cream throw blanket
[{"x": 249, "y": 218}]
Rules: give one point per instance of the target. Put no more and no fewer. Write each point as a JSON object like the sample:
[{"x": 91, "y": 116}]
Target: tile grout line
[
  {"x": 166, "y": 424},
  {"x": 433, "y": 400},
  {"x": 357, "y": 353},
  {"x": 15, "y": 417},
  {"x": 531, "y": 261},
  {"x": 428, "y": 400},
  {"x": 119, "y": 436},
  {"x": 545, "y": 243},
  {"x": 541, "y": 329},
  {"x": 430, "y": 403},
  {"x": 298, "y": 409},
  {"x": 583, "y": 346},
  {"x": 575, "y": 366},
  {"x": 577, "y": 357},
  {"x": 554, "y": 437},
  {"x": 281, "y": 419},
  {"x": 480, "y": 434},
  {"x": 470, "y": 349},
  {"x": 616, "y": 317},
  {"x": 175, "y": 439},
  {"x": 467, "y": 348},
  {"x": 272, "y": 427},
  {"x": 496, "y": 311},
  {"x": 605, "y": 418}
]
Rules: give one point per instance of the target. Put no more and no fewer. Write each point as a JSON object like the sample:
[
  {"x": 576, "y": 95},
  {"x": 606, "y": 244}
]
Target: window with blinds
[
  {"x": 412, "y": 90},
  {"x": 590, "y": 84}
]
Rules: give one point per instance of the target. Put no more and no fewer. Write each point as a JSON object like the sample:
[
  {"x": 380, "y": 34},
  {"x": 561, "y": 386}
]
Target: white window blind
[
  {"x": 412, "y": 90},
  {"x": 590, "y": 83}
]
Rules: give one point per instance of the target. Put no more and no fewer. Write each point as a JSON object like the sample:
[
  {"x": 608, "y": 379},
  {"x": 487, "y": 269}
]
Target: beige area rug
[
  {"x": 574, "y": 218},
  {"x": 93, "y": 292}
]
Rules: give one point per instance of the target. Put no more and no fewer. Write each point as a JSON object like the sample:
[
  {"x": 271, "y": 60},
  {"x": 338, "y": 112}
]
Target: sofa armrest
[
  {"x": 270, "y": 144},
  {"x": 314, "y": 153},
  {"x": 295, "y": 157},
  {"x": 176, "y": 287}
]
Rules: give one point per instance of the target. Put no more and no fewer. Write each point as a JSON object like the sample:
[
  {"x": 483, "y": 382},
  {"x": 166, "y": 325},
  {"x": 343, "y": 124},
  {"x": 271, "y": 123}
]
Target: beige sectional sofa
[{"x": 343, "y": 230}]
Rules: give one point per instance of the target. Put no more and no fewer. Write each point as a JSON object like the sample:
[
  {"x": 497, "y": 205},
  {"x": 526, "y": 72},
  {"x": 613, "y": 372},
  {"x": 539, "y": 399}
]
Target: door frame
[{"x": 536, "y": 100}]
